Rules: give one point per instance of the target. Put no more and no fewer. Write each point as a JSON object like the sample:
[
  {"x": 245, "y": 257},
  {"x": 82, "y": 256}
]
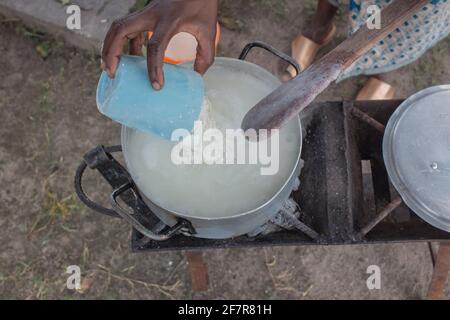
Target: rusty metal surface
[
  {"x": 198, "y": 270},
  {"x": 368, "y": 119},
  {"x": 440, "y": 273},
  {"x": 381, "y": 215}
]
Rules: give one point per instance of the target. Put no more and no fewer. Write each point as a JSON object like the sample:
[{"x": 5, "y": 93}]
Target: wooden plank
[
  {"x": 198, "y": 269},
  {"x": 369, "y": 207},
  {"x": 440, "y": 273}
]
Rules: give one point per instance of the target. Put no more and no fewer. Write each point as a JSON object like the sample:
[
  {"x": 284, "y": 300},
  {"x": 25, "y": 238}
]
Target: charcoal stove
[{"x": 345, "y": 195}]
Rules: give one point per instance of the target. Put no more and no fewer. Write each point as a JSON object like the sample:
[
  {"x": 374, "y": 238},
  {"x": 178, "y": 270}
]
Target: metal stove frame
[
  {"x": 345, "y": 194},
  {"x": 338, "y": 201}
]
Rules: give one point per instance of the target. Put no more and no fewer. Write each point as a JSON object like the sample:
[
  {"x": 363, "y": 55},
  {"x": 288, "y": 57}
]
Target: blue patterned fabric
[{"x": 406, "y": 44}]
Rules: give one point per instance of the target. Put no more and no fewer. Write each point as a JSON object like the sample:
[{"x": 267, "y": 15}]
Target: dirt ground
[{"x": 49, "y": 120}]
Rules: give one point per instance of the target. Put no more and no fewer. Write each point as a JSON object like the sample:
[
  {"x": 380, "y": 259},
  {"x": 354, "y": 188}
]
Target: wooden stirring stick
[{"x": 289, "y": 99}]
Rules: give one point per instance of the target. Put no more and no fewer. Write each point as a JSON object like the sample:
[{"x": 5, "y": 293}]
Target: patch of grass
[
  {"x": 41, "y": 288},
  {"x": 165, "y": 289},
  {"x": 230, "y": 23},
  {"x": 8, "y": 20},
  {"x": 57, "y": 207},
  {"x": 28, "y": 32},
  {"x": 54, "y": 209},
  {"x": 44, "y": 43},
  {"x": 44, "y": 49},
  {"x": 282, "y": 281},
  {"x": 139, "y": 5},
  {"x": 309, "y": 8},
  {"x": 54, "y": 161},
  {"x": 44, "y": 96},
  {"x": 227, "y": 18}
]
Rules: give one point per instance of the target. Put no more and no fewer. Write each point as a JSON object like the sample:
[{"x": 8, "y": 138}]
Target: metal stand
[
  {"x": 440, "y": 273},
  {"x": 198, "y": 270},
  {"x": 343, "y": 172},
  {"x": 441, "y": 260}
]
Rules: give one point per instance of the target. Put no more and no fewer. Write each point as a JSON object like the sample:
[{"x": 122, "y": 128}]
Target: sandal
[
  {"x": 376, "y": 89},
  {"x": 304, "y": 50}
]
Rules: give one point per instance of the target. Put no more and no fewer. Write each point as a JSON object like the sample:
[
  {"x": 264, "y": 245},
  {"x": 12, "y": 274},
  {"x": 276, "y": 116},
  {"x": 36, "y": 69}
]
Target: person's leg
[
  {"x": 322, "y": 22},
  {"x": 317, "y": 34}
]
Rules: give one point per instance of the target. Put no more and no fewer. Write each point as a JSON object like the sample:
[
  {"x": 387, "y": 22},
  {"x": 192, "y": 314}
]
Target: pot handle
[
  {"x": 78, "y": 182},
  {"x": 274, "y": 51},
  {"x": 100, "y": 158},
  {"x": 126, "y": 215}
]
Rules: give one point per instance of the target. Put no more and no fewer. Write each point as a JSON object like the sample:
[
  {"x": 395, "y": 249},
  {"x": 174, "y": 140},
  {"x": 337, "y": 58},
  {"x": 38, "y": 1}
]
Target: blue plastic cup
[{"x": 130, "y": 99}]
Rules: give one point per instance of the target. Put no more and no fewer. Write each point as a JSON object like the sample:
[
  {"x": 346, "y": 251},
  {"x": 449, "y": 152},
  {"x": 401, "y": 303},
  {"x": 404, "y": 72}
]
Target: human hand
[{"x": 164, "y": 18}]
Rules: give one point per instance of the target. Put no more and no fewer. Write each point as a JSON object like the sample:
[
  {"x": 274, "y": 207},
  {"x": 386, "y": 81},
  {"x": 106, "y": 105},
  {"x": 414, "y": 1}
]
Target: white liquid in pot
[{"x": 212, "y": 190}]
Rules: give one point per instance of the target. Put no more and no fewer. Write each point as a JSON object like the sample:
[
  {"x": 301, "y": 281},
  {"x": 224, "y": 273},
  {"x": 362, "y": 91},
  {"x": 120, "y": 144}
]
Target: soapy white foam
[{"x": 206, "y": 115}]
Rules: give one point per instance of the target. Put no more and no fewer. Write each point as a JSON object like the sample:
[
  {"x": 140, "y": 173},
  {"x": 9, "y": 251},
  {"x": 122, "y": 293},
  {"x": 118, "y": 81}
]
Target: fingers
[
  {"x": 205, "y": 52},
  {"x": 112, "y": 46},
  {"x": 136, "y": 44},
  {"x": 155, "y": 55},
  {"x": 120, "y": 32}
]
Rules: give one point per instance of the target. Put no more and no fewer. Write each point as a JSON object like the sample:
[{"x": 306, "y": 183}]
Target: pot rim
[{"x": 260, "y": 207}]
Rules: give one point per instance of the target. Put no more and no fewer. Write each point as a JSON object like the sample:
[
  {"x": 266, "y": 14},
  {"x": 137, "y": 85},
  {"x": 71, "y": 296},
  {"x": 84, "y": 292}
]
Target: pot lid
[{"x": 416, "y": 150}]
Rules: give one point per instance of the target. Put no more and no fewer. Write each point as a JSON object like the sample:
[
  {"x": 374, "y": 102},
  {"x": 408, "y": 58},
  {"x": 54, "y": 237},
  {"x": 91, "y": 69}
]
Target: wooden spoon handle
[{"x": 289, "y": 99}]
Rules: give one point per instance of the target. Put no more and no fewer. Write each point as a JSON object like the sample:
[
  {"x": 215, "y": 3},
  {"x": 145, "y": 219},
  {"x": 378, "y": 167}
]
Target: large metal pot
[{"x": 213, "y": 228}]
